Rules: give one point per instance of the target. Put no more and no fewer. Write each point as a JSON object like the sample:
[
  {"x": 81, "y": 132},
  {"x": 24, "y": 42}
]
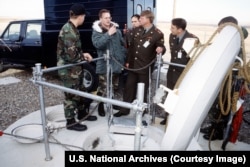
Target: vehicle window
[
  {"x": 33, "y": 30},
  {"x": 138, "y": 8},
  {"x": 13, "y": 32}
]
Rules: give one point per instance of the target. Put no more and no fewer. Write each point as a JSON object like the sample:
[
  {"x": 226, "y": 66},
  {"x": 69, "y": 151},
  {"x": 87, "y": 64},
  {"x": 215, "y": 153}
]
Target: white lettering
[
  {"x": 105, "y": 158},
  {"x": 233, "y": 160},
  {"x": 177, "y": 158},
  {"x": 146, "y": 158}
]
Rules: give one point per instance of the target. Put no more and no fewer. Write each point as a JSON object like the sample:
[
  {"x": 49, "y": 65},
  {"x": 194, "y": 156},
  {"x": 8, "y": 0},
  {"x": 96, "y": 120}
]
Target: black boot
[
  {"x": 101, "y": 111},
  {"x": 218, "y": 131},
  {"x": 83, "y": 113},
  {"x": 163, "y": 122},
  {"x": 115, "y": 107},
  {"x": 73, "y": 125},
  {"x": 208, "y": 128},
  {"x": 122, "y": 112}
]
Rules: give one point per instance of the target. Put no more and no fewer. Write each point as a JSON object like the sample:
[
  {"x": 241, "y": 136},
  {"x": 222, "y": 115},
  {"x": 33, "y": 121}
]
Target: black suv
[{"x": 26, "y": 43}]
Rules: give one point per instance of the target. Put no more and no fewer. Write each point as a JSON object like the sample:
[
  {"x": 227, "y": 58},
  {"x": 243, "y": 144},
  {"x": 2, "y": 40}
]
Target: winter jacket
[{"x": 114, "y": 43}]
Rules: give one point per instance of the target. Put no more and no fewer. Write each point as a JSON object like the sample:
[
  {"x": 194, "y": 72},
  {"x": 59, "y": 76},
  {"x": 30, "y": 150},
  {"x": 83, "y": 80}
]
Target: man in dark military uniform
[
  {"x": 69, "y": 51},
  {"x": 178, "y": 54},
  {"x": 135, "y": 21},
  {"x": 147, "y": 41}
]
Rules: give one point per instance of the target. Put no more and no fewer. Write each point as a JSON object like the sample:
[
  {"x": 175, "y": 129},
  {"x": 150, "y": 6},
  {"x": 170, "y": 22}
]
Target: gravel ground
[{"x": 21, "y": 98}]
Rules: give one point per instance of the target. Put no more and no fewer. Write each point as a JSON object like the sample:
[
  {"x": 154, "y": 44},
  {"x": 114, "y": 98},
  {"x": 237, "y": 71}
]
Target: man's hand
[
  {"x": 87, "y": 57},
  {"x": 112, "y": 30},
  {"x": 127, "y": 65},
  {"x": 159, "y": 50},
  {"x": 125, "y": 30}
]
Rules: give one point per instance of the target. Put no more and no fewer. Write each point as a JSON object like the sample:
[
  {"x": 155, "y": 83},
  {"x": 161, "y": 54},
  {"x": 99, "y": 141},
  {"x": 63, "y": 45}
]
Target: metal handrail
[{"x": 139, "y": 106}]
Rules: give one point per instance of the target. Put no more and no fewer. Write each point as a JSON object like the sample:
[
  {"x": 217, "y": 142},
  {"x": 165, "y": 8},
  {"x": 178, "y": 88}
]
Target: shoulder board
[
  {"x": 158, "y": 30},
  {"x": 194, "y": 36}
]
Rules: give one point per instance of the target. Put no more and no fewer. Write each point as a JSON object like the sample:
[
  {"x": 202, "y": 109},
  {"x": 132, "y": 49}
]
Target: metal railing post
[
  {"x": 138, "y": 128},
  {"x": 159, "y": 63},
  {"x": 108, "y": 85},
  {"x": 38, "y": 76}
]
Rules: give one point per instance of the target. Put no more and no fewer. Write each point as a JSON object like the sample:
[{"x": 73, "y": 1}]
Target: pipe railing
[
  {"x": 137, "y": 105},
  {"x": 67, "y": 66},
  {"x": 159, "y": 64},
  {"x": 37, "y": 79}
]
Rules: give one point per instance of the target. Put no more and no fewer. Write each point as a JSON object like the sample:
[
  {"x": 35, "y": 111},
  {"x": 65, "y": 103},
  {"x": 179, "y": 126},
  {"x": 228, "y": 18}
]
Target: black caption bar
[{"x": 148, "y": 158}]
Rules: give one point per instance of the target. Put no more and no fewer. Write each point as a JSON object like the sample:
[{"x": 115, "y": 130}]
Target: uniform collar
[
  {"x": 148, "y": 28},
  {"x": 181, "y": 35}
]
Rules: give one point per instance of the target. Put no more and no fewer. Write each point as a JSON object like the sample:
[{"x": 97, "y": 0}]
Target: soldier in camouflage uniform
[{"x": 68, "y": 52}]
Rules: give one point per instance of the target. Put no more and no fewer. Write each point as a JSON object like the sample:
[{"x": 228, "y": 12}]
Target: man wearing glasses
[{"x": 107, "y": 36}]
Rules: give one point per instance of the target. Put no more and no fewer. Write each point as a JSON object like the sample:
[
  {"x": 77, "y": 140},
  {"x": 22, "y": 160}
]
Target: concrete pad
[{"x": 8, "y": 80}]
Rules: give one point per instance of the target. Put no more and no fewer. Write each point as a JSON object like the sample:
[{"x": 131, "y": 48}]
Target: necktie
[{"x": 177, "y": 40}]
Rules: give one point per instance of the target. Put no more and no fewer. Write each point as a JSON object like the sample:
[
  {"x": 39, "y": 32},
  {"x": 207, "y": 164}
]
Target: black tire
[
  {"x": 90, "y": 78},
  {"x": 1, "y": 66}
]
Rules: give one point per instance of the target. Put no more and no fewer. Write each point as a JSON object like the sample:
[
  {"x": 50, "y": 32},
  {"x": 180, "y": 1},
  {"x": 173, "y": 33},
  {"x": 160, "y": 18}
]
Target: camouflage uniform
[
  {"x": 68, "y": 52},
  {"x": 103, "y": 85}
]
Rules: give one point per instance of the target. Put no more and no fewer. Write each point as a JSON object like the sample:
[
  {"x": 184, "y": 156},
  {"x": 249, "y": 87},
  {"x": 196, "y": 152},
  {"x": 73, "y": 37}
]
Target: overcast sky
[
  {"x": 196, "y": 11},
  {"x": 204, "y": 11}
]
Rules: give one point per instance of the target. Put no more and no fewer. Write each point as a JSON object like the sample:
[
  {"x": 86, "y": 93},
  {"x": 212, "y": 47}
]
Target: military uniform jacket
[
  {"x": 128, "y": 37},
  {"x": 142, "y": 49},
  {"x": 69, "y": 51},
  {"x": 179, "y": 56}
]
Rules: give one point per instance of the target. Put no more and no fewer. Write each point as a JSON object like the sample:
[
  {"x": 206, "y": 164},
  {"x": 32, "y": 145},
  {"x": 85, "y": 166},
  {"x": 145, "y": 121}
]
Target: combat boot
[
  {"x": 83, "y": 113},
  {"x": 73, "y": 125}
]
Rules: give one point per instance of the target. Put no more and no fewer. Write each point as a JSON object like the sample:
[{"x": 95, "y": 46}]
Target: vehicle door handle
[{"x": 37, "y": 42}]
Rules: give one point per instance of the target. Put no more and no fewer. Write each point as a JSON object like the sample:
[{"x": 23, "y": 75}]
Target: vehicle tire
[
  {"x": 1, "y": 66},
  {"x": 90, "y": 78}
]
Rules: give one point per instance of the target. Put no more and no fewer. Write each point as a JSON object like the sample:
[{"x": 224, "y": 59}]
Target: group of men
[
  {"x": 143, "y": 43},
  {"x": 134, "y": 50}
]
